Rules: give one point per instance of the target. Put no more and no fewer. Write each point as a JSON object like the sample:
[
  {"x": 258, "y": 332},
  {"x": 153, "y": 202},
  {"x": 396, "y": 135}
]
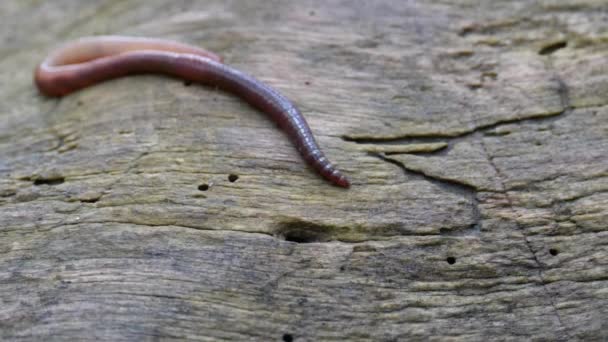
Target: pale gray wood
[{"x": 475, "y": 134}]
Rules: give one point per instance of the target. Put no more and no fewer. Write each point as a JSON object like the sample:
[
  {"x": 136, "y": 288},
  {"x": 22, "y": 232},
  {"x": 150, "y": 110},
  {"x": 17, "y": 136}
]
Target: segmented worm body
[{"x": 87, "y": 61}]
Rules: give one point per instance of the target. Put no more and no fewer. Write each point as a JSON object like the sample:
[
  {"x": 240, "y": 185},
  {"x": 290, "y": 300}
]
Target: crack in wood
[
  {"x": 466, "y": 190},
  {"x": 435, "y": 137},
  {"x": 565, "y": 102},
  {"x": 527, "y": 242},
  {"x": 461, "y": 186},
  {"x": 552, "y": 47},
  {"x": 301, "y": 231},
  {"x": 470, "y": 191}
]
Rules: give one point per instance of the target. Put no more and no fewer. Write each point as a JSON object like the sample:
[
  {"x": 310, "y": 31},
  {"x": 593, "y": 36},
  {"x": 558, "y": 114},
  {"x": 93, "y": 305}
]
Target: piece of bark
[{"x": 475, "y": 134}]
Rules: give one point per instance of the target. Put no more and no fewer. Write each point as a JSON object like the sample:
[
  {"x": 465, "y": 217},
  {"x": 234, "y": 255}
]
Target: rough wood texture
[{"x": 475, "y": 133}]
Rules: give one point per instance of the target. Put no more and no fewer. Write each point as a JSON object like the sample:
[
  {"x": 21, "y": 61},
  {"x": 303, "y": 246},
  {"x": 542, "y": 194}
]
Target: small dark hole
[
  {"x": 233, "y": 178},
  {"x": 300, "y": 238},
  {"x": 203, "y": 187},
  {"x": 288, "y": 337},
  {"x": 553, "y": 251},
  {"x": 342, "y": 268},
  {"x": 187, "y": 83},
  {"x": 466, "y": 30},
  {"x": 89, "y": 200},
  {"x": 49, "y": 181},
  {"x": 307, "y": 83},
  {"x": 451, "y": 260},
  {"x": 303, "y": 236},
  {"x": 551, "y": 48}
]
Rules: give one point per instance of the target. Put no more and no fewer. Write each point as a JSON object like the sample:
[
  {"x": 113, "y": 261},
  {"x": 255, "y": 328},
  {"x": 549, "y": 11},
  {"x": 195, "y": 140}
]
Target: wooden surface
[{"x": 475, "y": 133}]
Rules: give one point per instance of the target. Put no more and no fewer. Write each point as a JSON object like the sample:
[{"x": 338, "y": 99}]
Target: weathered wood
[{"x": 475, "y": 133}]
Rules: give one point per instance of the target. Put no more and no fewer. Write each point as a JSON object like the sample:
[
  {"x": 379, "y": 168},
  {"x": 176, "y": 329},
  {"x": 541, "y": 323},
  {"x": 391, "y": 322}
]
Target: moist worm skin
[{"x": 88, "y": 61}]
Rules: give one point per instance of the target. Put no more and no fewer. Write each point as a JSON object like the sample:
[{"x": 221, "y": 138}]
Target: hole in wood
[
  {"x": 451, "y": 260},
  {"x": 287, "y": 337},
  {"x": 301, "y": 236},
  {"x": 303, "y": 232},
  {"x": 553, "y": 251},
  {"x": 49, "y": 181},
  {"x": 551, "y": 48},
  {"x": 203, "y": 187},
  {"x": 233, "y": 178}
]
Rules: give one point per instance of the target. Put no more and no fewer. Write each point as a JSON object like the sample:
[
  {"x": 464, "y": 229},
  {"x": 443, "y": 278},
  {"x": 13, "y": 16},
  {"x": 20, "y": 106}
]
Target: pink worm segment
[{"x": 91, "y": 60}]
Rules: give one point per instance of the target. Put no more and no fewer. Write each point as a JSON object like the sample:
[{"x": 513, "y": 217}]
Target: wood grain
[{"x": 475, "y": 133}]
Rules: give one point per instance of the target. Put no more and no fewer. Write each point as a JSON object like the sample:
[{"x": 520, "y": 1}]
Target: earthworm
[{"x": 91, "y": 60}]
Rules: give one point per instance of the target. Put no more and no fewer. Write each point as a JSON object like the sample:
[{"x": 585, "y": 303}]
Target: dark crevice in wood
[
  {"x": 551, "y": 48},
  {"x": 303, "y": 232},
  {"x": 439, "y": 137},
  {"x": 49, "y": 181},
  {"x": 8, "y": 192},
  {"x": 437, "y": 152},
  {"x": 302, "y": 236},
  {"x": 466, "y": 190},
  {"x": 459, "y": 186},
  {"x": 406, "y": 139},
  {"x": 489, "y": 27}
]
